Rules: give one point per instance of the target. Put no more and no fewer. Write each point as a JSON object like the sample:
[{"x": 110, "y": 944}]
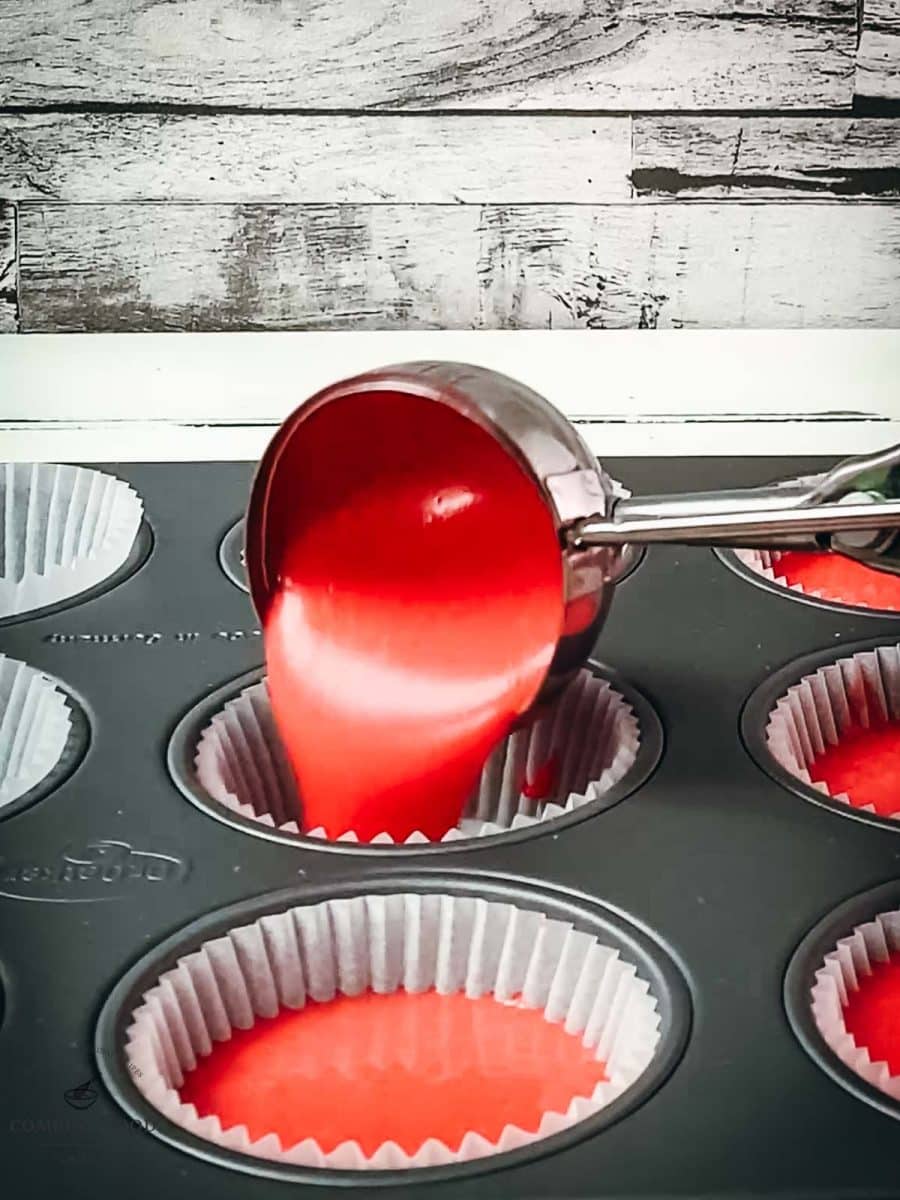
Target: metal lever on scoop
[{"x": 854, "y": 509}]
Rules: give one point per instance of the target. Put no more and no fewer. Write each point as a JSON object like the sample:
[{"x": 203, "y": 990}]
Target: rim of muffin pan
[
  {"x": 729, "y": 557},
  {"x": 760, "y": 704},
  {"x": 138, "y": 557},
  {"x": 800, "y": 978},
  {"x": 637, "y": 945},
  {"x": 186, "y": 735},
  {"x": 231, "y": 549}
]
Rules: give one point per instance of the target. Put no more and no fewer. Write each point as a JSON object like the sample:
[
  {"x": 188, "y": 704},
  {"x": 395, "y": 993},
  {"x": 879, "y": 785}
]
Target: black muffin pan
[{"x": 711, "y": 872}]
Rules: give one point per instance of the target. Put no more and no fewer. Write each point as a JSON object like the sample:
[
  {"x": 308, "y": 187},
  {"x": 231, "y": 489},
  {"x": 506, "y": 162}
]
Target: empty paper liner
[
  {"x": 63, "y": 530},
  {"x": 392, "y": 1031},
  {"x": 576, "y": 753},
  {"x": 837, "y": 730},
  {"x": 35, "y": 728},
  {"x": 856, "y": 1001},
  {"x": 231, "y": 556},
  {"x": 825, "y": 576}
]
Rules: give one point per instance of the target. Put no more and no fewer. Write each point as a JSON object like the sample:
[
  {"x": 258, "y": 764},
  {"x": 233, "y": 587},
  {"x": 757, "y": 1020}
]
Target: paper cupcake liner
[
  {"x": 859, "y": 691},
  {"x": 232, "y": 557},
  {"x": 838, "y": 977},
  {"x": 386, "y": 943},
  {"x": 63, "y": 529},
  {"x": 34, "y": 728},
  {"x": 571, "y": 755},
  {"x": 765, "y": 563}
]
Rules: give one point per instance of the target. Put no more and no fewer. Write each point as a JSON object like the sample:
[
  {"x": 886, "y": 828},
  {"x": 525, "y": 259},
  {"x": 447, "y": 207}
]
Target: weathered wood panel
[
  {"x": 741, "y": 157},
  {"x": 155, "y": 267},
  {"x": 419, "y": 54},
  {"x": 878, "y": 57},
  {"x": 321, "y": 159},
  {"x": 8, "y": 269}
]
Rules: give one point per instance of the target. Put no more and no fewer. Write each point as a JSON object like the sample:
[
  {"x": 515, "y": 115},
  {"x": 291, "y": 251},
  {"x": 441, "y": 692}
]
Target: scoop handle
[{"x": 853, "y": 508}]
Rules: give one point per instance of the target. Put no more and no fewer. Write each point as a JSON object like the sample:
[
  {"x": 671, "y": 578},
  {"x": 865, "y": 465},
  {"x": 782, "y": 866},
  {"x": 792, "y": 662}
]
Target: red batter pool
[
  {"x": 872, "y": 1014},
  {"x": 841, "y": 579},
  {"x": 418, "y": 605},
  {"x": 402, "y": 1067},
  {"x": 865, "y": 765}
]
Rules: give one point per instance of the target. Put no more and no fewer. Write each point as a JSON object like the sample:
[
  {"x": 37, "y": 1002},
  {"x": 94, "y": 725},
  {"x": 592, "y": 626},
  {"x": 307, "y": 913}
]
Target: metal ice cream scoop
[{"x": 853, "y": 508}]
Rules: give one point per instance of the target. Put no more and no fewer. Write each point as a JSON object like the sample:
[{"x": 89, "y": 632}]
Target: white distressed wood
[
  {"x": 419, "y": 54},
  {"x": 878, "y": 65},
  {"x": 102, "y": 157},
  {"x": 749, "y": 156},
  {"x": 212, "y": 267},
  {"x": 237, "y": 379},
  {"x": 8, "y": 270},
  {"x": 878, "y": 56}
]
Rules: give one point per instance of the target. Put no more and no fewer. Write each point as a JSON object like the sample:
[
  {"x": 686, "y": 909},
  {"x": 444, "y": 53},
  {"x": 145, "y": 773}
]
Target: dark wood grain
[
  {"x": 419, "y": 54},
  {"x": 878, "y": 57},
  {"x": 457, "y": 159},
  {"x": 173, "y": 266},
  {"x": 743, "y": 157},
  {"x": 8, "y": 270}
]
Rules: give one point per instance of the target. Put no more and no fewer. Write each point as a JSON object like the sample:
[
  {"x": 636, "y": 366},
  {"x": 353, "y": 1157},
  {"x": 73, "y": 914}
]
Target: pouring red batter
[{"x": 418, "y": 603}]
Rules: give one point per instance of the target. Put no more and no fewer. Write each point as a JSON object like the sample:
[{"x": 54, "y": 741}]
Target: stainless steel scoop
[{"x": 854, "y": 508}]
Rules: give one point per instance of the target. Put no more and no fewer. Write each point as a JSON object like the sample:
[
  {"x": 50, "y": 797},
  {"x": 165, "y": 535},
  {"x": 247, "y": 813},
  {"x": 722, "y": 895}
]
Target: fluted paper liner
[
  {"x": 591, "y": 733},
  {"x": 765, "y": 563},
  {"x": 385, "y": 943},
  {"x": 34, "y": 728},
  {"x": 852, "y": 692},
  {"x": 63, "y": 529},
  {"x": 851, "y": 959}
]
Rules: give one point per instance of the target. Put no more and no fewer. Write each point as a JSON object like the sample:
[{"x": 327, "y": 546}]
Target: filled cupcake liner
[
  {"x": 63, "y": 529},
  {"x": 386, "y": 943},
  {"x": 590, "y": 736},
  {"x": 765, "y": 563},
  {"x": 859, "y": 691},
  {"x": 35, "y": 722},
  {"x": 839, "y": 976}
]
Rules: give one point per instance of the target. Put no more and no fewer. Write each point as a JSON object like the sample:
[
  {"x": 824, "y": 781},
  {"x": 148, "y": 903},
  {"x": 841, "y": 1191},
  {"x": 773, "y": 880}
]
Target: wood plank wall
[{"x": 237, "y": 164}]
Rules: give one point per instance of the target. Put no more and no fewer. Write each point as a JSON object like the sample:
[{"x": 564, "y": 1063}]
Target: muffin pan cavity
[
  {"x": 65, "y": 533},
  {"x": 842, "y": 991},
  {"x": 43, "y": 734},
  {"x": 231, "y": 556},
  {"x": 597, "y": 742},
  {"x": 493, "y": 951},
  {"x": 828, "y": 727},
  {"x": 820, "y": 578}
]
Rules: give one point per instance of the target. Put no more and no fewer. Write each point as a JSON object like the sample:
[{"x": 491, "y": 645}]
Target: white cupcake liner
[
  {"x": 63, "y": 529},
  {"x": 838, "y": 977},
  {"x": 34, "y": 728},
  {"x": 591, "y": 730},
  {"x": 386, "y": 943},
  {"x": 815, "y": 712},
  {"x": 765, "y": 563}
]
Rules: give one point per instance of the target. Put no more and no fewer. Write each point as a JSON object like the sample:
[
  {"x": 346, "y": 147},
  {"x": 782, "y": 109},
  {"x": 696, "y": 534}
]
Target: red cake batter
[
  {"x": 872, "y": 1014},
  {"x": 865, "y": 765},
  {"x": 834, "y": 577},
  {"x": 402, "y": 1067},
  {"x": 418, "y": 605}
]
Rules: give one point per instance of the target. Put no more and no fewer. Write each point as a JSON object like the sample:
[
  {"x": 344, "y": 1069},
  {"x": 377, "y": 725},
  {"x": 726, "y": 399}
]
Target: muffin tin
[{"x": 706, "y": 875}]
